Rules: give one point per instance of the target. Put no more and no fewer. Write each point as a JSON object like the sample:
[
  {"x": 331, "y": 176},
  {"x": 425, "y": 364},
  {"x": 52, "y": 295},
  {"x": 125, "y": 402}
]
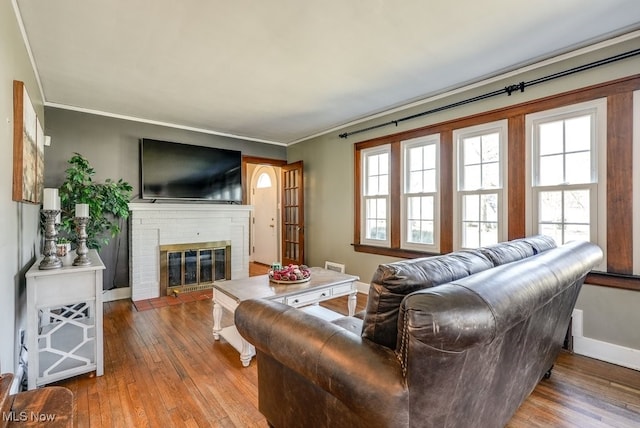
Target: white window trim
[
  {"x": 599, "y": 163},
  {"x": 501, "y": 127},
  {"x": 404, "y": 244},
  {"x": 364, "y": 155}
]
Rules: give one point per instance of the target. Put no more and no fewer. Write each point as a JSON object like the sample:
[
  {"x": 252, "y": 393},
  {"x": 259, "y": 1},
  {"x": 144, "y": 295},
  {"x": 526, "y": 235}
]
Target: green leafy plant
[{"x": 108, "y": 203}]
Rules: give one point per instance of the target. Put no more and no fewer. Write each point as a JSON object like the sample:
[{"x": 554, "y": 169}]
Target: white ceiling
[{"x": 283, "y": 70}]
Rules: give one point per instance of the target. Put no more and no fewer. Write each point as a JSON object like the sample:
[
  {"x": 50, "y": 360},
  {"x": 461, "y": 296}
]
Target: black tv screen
[{"x": 183, "y": 171}]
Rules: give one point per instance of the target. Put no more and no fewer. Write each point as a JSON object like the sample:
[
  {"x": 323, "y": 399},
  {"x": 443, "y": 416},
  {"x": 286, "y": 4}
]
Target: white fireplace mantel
[{"x": 155, "y": 224}]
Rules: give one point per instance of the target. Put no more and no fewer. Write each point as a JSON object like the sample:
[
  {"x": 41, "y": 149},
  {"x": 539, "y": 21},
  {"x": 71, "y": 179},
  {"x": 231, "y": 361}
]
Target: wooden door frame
[{"x": 255, "y": 160}]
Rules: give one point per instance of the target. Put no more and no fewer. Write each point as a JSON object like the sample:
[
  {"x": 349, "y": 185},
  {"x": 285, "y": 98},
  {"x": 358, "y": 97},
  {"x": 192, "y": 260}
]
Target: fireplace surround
[{"x": 152, "y": 225}]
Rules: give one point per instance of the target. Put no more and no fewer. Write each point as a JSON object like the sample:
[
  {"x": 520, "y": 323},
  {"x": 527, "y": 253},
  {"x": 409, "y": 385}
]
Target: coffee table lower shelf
[{"x": 231, "y": 335}]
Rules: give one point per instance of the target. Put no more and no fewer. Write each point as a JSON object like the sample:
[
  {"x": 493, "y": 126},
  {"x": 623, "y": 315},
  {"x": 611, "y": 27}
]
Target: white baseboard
[
  {"x": 116, "y": 294},
  {"x": 609, "y": 352},
  {"x": 362, "y": 287}
]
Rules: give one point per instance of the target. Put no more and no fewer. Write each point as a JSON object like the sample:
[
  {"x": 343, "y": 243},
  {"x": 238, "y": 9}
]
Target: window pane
[
  {"x": 372, "y": 187},
  {"x": 489, "y": 208},
  {"x": 420, "y": 219},
  {"x": 472, "y": 150},
  {"x": 372, "y": 165},
  {"x": 384, "y": 163},
  {"x": 574, "y": 232},
  {"x": 578, "y": 167},
  {"x": 430, "y": 181},
  {"x": 472, "y": 177},
  {"x": 415, "y": 159},
  {"x": 576, "y": 206},
  {"x": 552, "y": 230},
  {"x": 420, "y": 208},
  {"x": 470, "y": 235},
  {"x": 491, "y": 175},
  {"x": 550, "y": 204},
  {"x": 420, "y": 232},
  {"x": 264, "y": 181},
  {"x": 491, "y": 147},
  {"x": 488, "y": 234},
  {"x": 429, "y": 156},
  {"x": 384, "y": 185},
  {"x": 415, "y": 208},
  {"x": 551, "y": 138},
  {"x": 428, "y": 212},
  {"x": 377, "y": 174},
  {"x": 578, "y": 134},
  {"x": 420, "y": 164},
  {"x": 551, "y": 170},
  {"x": 415, "y": 182},
  {"x": 377, "y": 229},
  {"x": 376, "y": 219},
  {"x": 470, "y": 207}
]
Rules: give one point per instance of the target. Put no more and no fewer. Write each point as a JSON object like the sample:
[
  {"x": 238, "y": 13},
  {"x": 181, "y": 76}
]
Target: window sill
[
  {"x": 392, "y": 252},
  {"x": 605, "y": 279}
]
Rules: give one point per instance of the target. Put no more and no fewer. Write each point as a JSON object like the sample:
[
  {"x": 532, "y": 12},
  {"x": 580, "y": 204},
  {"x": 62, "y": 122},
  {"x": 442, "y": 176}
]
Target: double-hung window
[
  {"x": 479, "y": 207},
  {"x": 375, "y": 196},
  {"x": 567, "y": 149},
  {"x": 420, "y": 196}
]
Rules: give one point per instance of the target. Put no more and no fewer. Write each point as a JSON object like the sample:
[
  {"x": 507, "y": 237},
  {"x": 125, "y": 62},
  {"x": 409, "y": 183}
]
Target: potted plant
[
  {"x": 108, "y": 203},
  {"x": 63, "y": 246}
]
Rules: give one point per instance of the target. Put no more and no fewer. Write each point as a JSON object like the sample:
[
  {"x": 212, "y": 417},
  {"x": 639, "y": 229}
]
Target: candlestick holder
[
  {"x": 50, "y": 260},
  {"x": 82, "y": 250}
]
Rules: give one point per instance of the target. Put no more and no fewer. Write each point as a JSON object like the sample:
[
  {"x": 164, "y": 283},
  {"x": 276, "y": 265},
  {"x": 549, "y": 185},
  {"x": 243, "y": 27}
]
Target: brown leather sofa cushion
[
  {"x": 393, "y": 281},
  {"x": 518, "y": 249}
]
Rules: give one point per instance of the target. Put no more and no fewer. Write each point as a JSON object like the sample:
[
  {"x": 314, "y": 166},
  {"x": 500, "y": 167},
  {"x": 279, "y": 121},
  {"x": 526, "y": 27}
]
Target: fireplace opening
[{"x": 193, "y": 266}]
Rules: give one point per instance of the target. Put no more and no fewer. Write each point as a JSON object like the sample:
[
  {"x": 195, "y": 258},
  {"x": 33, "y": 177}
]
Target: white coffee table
[{"x": 323, "y": 285}]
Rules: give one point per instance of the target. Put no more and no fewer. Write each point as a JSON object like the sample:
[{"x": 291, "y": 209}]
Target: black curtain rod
[{"x": 507, "y": 89}]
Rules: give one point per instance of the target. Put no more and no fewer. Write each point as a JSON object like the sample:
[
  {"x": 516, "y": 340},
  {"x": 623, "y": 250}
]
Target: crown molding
[{"x": 159, "y": 123}]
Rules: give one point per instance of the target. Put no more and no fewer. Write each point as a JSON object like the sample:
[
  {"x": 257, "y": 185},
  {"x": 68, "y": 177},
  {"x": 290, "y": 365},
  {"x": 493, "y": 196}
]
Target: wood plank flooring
[{"x": 163, "y": 368}]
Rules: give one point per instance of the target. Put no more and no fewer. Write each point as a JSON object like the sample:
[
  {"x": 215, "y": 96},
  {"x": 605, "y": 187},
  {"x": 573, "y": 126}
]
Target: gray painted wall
[
  {"x": 111, "y": 146},
  {"x": 610, "y": 315},
  {"x": 19, "y": 238}
]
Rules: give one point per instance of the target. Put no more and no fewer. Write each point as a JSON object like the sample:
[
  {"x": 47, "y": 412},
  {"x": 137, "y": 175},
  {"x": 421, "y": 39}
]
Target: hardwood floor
[{"x": 163, "y": 368}]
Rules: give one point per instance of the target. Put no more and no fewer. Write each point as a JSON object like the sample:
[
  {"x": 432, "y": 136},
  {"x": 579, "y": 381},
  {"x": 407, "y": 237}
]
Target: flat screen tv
[{"x": 183, "y": 171}]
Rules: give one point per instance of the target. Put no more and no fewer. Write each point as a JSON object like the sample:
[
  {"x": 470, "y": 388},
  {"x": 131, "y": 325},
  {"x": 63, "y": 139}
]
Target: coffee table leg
[
  {"x": 351, "y": 303},
  {"x": 247, "y": 352},
  {"x": 217, "y": 318}
]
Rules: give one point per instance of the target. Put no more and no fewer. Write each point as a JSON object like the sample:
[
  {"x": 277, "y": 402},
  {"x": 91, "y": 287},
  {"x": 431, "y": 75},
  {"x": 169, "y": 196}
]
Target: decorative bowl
[{"x": 292, "y": 274}]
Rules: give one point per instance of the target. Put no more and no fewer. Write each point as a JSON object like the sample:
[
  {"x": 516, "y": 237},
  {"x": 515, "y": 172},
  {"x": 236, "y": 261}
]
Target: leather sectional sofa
[{"x": 458, "y": 340}]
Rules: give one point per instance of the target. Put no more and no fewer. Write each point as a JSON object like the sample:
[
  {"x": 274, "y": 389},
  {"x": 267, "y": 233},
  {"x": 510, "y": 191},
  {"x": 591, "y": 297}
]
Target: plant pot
[{"x": 63, "y": 249}]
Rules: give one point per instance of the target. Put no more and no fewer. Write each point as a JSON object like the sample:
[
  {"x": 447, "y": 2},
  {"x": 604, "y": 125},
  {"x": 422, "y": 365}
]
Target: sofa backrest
[
  {"x": 393, "y": 281},
  {"x": 472, "y": 350}
]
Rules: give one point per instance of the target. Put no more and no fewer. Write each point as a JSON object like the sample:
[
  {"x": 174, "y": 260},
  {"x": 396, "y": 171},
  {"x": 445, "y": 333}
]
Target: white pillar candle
[
  {"x": 51, "y": 201},
  {"x": 82, "y": 210}
]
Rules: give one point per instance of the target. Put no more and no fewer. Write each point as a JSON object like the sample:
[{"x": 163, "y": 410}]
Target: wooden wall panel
[
  {"x": 446, "y": 191},
  {"x": 619, "y": 183},
  {"x": 516, "y": 177},
  {"x": 395, "y": 181}
]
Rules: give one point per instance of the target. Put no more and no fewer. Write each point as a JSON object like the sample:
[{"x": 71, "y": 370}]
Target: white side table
[{"x": 64, "y": 320}]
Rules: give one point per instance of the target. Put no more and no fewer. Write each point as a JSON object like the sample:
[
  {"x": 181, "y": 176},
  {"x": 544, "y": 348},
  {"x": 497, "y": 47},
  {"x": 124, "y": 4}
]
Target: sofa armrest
[{"x": 352, "y": 369}]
